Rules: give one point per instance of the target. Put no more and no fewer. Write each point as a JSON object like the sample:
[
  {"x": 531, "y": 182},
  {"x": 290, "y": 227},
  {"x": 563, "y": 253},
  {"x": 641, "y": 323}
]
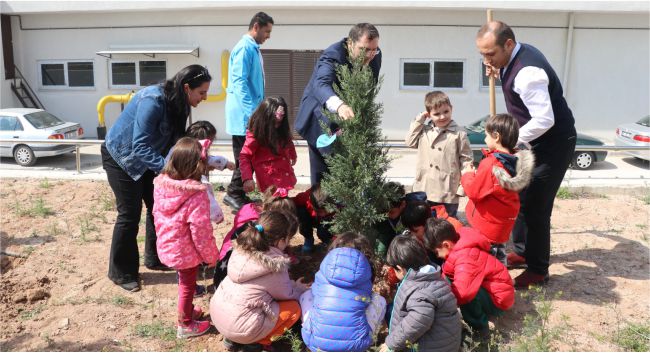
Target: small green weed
[
  {"x": 156, "y": 330},
  {"x": 536, "y": 334},
  {"x": 122, "y": 301},
  {"x": 86, "y": 226},
  {"x": 37, "y": 209},
  {"x": 646, "y": 199},
  {"x": 295, "y": 341},
  {"x": 634, "y": 337},
  {"x": 28, "y": 250},
  {"x": 565, "y": 193},
  {"x": 30, "y": 314},
  {"x": 45, "y": 184},
  {"x": 107, "y": 202},
  {"x": 53, "y": 229}
]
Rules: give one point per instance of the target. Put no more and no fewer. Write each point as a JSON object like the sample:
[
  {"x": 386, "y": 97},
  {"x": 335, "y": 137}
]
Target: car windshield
[
  {"x": 43, "y": 120},
  {"x": 645, "y": 121},
  {"x": 478, "y": 126}
]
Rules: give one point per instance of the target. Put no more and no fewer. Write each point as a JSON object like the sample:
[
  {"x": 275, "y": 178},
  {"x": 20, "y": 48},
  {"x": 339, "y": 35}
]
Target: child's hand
[
  {"x": 467, "y": 169},
  {"x": 230, "y": 165},
  {"x": 249, "y": 186},
  {"x": 422, "y": 116},
  {"x": 384, "y": 348}
]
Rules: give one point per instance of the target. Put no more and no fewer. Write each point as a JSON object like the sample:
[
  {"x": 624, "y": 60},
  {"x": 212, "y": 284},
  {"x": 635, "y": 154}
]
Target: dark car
[{"x": 581, "y": 159}]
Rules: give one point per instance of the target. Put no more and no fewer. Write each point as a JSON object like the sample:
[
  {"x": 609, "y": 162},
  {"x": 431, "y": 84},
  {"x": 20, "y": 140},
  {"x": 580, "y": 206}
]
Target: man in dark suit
[{"x": 319, "y": 94}]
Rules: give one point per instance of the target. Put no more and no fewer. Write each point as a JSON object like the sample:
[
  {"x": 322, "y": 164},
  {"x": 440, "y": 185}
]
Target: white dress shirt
[{"x": 531, "y": 83}]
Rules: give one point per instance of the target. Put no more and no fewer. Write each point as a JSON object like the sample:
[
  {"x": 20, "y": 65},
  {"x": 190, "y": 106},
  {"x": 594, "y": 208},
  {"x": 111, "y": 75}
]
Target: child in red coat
[
  {"x": 493, "y": 190},
  {"x": 268, "y": 150},
  {"x": 312, "y": 213},
  {"x": 480, "y": 283}
]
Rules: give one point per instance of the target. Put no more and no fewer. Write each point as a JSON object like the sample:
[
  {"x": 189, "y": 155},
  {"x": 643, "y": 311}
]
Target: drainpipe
[{"x": 567, "y": 56}]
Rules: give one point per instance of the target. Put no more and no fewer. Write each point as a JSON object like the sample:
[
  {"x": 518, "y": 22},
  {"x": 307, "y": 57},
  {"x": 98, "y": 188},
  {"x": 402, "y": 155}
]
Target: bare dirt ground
[{"x": 56, "y": 296}]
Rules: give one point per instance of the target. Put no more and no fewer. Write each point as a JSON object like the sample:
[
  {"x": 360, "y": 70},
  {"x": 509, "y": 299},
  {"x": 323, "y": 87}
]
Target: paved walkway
[{"x": 617, "y": 171}]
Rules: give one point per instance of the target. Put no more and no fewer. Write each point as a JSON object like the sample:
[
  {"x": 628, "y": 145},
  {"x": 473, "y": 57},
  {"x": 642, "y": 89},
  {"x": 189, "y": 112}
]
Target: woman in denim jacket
[{"x": 133, "y": 154}]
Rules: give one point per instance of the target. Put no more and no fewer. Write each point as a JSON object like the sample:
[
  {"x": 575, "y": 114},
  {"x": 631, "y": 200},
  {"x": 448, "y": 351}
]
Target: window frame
[
  {"x": 18, "y": 123},
  {"x": 137, "y": 84},
  {"x": 432, "y": 65},
  {"x": 66, "y": 86}
]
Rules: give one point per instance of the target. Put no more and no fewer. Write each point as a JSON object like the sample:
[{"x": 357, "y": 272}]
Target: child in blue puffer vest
[{"x": 340, "y": 312}]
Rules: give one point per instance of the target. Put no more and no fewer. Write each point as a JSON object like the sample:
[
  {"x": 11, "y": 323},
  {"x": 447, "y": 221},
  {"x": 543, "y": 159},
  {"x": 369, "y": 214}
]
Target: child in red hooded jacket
[
  {"x": 479, "y": 281},
  {"x": 493, "y": 190}
]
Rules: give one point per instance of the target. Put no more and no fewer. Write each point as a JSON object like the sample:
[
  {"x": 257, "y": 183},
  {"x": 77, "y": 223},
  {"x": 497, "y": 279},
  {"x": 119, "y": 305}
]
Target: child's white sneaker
[{"x": 195, "y": 328}]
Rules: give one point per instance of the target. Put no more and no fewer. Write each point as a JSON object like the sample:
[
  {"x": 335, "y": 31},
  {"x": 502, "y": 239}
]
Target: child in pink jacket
[
  {"x": 268, "y": 150},
  {"x": 182, "y": 218},
  {"x": 257, "y": 301},
  {"x": 273, "y": 200}
]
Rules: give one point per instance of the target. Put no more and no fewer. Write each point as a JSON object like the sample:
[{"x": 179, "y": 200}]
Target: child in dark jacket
[
  {"x": 383, "y": 232},
  {"x": 493, "y": 190},
  {"x": 479, "y": 281},
  {"x": 424, "y": 316},
  {"x": 312, "y": 213},
  {"x": 340, "y": 311}
]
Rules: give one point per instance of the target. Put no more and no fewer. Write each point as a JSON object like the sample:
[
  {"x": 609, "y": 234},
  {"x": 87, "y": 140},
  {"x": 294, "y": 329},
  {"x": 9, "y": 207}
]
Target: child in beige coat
[{"x": 443, "y": 152}]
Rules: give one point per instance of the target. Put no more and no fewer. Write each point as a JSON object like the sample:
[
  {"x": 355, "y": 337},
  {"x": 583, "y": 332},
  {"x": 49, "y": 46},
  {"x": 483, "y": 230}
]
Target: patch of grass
[
  {"x": 140, "y": 238},
  {"x": 218, "y": 187},
  {"x": 641, "y": 226},
  {"x": 646, "y": 199},
  {"x": 107, "y": 201},
  {"x": 293, "y": 338},
  {"x": 86, "y": 226},
  {"x": 53, "y": 229},
  {"x": 45, "y": 184},
  {"x": 536, "y": 334},
  {"x": 122, "y": 301},
  {"x": 30, "y": 314},
  {"x": 156, "y": 330},
  {"x": 564, "y": 193},
  {"x": 37, "y": 209},
  {"x": 634, "y": 337}
]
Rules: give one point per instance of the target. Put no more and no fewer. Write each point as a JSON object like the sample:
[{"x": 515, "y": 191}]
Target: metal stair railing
[{"x": 24, "y": 92}]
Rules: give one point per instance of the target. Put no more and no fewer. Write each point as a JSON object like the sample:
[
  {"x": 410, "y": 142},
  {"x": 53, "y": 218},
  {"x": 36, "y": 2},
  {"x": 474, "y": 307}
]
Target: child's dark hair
[
  {"x": 437, "y": 231},
  {"x": 185, "y": 161},
  {"x": 407, "y": 252},
  {"x": 272, "y": 226},
  {"x": 507, "y": 127},
  {"x": 416, "y": 214},
  {"x": 358, "y": 242},
  {"x": 202, "y": 130},
  {"x": 319, "y": 197},
  {"x": 262, "y": 124},
  {"x": 273, "y": 201}
]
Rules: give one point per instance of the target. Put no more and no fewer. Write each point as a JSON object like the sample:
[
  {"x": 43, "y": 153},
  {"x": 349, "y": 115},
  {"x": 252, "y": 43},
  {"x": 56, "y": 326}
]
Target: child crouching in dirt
[
  {"x": 340, "y": 312},
  {"x": 273, "y": 200},
  {"x": 182, "y": 218},
  {"x": 479, "y": 281},
  {"x": 424, "y": 316},
  {"x": 257, "y": 301}
]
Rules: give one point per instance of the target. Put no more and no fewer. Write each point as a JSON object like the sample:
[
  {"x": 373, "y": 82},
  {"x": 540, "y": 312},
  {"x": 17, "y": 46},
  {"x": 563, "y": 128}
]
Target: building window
[
  {"x": 137, "y": 73},
  {"x": 67, "y": 74},
  {"x": 485, "y": 82},
  {"x": 430, "y": 74}
]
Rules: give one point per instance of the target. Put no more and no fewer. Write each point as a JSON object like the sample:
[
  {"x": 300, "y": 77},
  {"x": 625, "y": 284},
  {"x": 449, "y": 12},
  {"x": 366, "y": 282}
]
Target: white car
[
  {"x": 26, "y": 123},
  {"x": 635, "y": 134}
]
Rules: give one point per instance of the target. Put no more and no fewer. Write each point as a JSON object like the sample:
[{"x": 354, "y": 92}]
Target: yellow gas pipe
[{"x": 125, "y": 98}]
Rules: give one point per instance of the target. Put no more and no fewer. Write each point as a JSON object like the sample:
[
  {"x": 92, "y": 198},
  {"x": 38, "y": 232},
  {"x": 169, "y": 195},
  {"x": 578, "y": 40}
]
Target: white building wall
[{"x": 608, "y": 82}]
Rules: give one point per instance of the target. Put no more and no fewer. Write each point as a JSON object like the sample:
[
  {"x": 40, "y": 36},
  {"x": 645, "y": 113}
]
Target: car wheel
[
  {"x": 583, "y": 160},
  {"x": 24, "y": 156}
]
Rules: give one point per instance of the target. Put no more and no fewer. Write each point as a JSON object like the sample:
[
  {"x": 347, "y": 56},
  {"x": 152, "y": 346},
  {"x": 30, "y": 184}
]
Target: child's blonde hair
[
  {"x": 185, "y": 161},
  {"x": 435, "y": 99},
  {"x": 271, "y": 227}
]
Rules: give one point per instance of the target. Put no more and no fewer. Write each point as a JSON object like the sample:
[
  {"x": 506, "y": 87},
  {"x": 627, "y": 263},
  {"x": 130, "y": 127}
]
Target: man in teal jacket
[{"x": 244, "y": 93}]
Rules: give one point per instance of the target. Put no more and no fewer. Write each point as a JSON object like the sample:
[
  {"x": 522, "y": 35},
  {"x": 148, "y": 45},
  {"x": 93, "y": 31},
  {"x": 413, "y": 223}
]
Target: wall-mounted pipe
[
  {"x": 125, "y": 98},
  {"x": 567, "y": 55}
]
